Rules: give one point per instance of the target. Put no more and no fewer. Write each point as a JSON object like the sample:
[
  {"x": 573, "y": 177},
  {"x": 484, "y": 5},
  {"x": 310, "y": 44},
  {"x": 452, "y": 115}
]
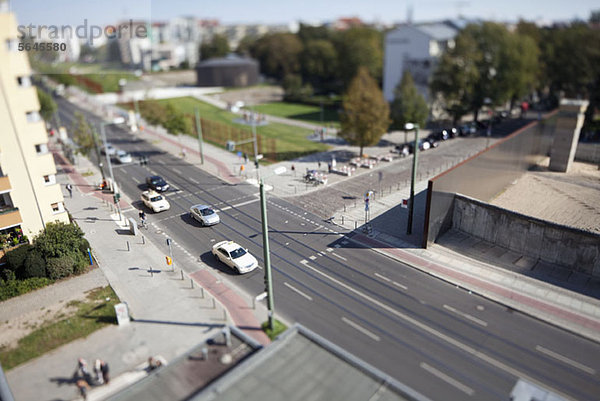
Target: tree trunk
[
  {"x": 475, "y": 114},
  {"x": 361, "y": 151}
]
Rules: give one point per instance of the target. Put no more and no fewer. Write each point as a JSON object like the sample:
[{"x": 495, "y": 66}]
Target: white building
[{"x": 416, "y": 48}]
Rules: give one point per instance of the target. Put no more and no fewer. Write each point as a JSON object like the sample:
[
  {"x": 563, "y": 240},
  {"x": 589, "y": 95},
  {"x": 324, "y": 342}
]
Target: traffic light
[{"x": 169, "y": 260}]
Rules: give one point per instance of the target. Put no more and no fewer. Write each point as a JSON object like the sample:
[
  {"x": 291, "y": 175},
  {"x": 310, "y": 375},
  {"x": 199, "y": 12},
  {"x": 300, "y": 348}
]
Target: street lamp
[
  {"x": 410, "y": 127},
  {"x": 118, "y": 120}
]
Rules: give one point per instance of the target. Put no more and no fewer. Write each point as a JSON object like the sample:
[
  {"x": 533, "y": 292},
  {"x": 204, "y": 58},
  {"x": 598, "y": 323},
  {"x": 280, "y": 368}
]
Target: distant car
[
  {"x": 109, "y": 150},
  {"x": 204, "y": 215},
  {"x": 403, "y": 150},
  {"x": 155, "y": 201},
  {"x": 234, "y": 256},
  {"x": 123, "y": 157},
  {"x": 157, "y": 183},
  {"x": 433, "y": 143},
  {"x": 467, "y": 129}
]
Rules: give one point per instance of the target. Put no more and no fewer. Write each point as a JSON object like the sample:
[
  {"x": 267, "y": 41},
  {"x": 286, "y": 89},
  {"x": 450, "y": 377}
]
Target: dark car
[
  {"x": 157, "y": 183},
  {"x": 467, "y": 129},
  {"x": 433, "y": 143}
]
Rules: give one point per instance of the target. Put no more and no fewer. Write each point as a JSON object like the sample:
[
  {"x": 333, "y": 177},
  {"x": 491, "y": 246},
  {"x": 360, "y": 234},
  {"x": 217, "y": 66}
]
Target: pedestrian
[
  {"x": 294, "y": 170},
  {"x": 104, "y": 369},
  {"x": 70, "y": 189},
  {"x": 329, "y": 167},
  {"x": 245, "y": 158},
  {"x": 83, "y": 388},
  {"x": 82, "y": 367},
  {"x": 242, "y": 168},
  {"x": 98, "y": 371},
  {"x": 183, "y": 153},
  {"x": 319, "y": 164}
]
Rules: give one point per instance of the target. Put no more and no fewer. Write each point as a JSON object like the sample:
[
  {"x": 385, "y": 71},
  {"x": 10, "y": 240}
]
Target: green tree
[
  {"x": 452, "y": 80},
  {"x": 293, "y": 88},
  {"x": 278, "y": 54},
  {"x": 359, "y": 47},
  {"x": 366, "y": 113},
  {"x": 408, "y": 105},
  {"x": 47, "y": 105},
  {"x": 60, "y": 239},
  {"x": 82, "y": 134},
  {"x": 521, "y": 66},
  {"x": 218, "y": 46},
  {"x": 319, "y": 61},
  {"x": 246, "y": 45},
  {"x": 176, "y": 122}
]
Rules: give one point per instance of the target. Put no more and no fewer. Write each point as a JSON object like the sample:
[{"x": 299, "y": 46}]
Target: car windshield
[
  {"x": 156, "y": 198},
  {"x": 238, "y": 253},
  {"x": 206, "y": 212},
  {"x": 158, "y": 181}
]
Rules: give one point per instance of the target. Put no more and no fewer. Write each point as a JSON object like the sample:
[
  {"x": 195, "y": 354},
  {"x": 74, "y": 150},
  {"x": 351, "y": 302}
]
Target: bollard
[
  {"x": 192, "y": 283},
  {"x": 90, "y": 255},
  {"x": 151, "y": 272},
  {"x": 181, "y": 275},
  {"x": 128, "y": 248},
  {"x": 201, "y": 292},
  {"x": 355, "y": 224},
  {"x": 214, "y": 305},
  {"x": 143, "y": 240},
  {"x": 342, "y": 219},
  {"x": 225, "y": 319},
  {"x": 253, "y": 303}
]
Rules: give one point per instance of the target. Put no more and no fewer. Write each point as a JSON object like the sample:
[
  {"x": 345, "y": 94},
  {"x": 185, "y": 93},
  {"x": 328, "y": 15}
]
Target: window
[
  {"x": 33, "y": 117},
  {"x": 50, "y": 179},
  {"x": 24, "y": 82},
  {"x": 41, "y": 149},
  {"x": 57, "y": 207},
  {"x": 12, "y": 45}
]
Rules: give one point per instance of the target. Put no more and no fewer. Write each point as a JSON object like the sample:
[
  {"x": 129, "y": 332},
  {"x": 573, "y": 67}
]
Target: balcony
[
  {"x": 5, "y": 184},
  {"x": 9, "y": 217}
]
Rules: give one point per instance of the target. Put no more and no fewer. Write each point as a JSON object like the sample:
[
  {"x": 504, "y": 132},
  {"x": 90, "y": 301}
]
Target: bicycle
[{"x": 143, "y": 224}]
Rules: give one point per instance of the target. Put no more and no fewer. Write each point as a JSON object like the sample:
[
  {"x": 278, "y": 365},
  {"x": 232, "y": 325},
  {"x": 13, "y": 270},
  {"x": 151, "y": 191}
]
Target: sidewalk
[{"x": 172, "y": 310}]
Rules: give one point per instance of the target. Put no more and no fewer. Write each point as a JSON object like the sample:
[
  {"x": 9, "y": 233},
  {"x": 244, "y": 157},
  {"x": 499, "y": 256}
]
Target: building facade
[
  {"x": 30, "y": 197},
  {"x": 416, "y": 48}
]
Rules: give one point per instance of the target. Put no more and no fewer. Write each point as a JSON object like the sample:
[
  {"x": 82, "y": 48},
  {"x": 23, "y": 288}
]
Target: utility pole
[
  {"x": 199, "y": 130},
  {"x": 267, "y": 257},
  {"x": 411, "y": 206}
]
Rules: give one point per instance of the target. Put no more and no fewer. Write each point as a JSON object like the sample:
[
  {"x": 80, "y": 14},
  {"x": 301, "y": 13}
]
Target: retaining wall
[{"x": 532, "y": 237}]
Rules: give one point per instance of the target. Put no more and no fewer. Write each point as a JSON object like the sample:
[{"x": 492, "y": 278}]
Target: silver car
[{"x": 204, "y": 215}]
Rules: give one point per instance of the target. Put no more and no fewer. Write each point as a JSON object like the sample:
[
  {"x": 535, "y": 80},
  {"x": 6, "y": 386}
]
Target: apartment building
[{"x": 30, "y": 197}]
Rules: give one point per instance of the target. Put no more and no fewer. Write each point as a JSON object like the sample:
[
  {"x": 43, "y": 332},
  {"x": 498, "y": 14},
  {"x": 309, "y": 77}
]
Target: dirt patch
[
  {"x": 571, "y": 199},
  {"x": 13, "y": 330}
]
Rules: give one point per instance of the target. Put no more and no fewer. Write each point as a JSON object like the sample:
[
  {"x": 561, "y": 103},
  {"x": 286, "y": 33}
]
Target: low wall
[
  {"x": 534, "y": 238},
  {"x": 588, "y": 152}
]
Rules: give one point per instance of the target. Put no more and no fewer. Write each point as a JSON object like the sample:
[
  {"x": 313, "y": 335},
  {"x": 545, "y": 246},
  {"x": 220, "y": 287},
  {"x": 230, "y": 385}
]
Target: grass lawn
[
  {"x": 92, "y": 314},
  {"x": 107, "y": 77},
  {"x": 290, "y": 141},
  {"x": 278, "y": 328},
  {"x": 303, "y": 112}
]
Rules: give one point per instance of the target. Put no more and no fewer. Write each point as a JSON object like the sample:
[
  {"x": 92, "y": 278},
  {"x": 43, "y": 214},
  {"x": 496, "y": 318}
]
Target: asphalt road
[{"x": 440, "y": 340}]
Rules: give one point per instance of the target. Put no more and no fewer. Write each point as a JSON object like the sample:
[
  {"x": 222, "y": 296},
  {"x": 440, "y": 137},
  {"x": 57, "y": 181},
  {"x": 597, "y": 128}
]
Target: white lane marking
[
  {"x": 390, "y": 281},
  {"x": 336, "y": 255},
  {"x": 193, "y": 180},
  {"x": 135, "y": 180},
  {"x": 468, "y": 349},
  {"x": 466, "y": 315},
  {"x": 565, "y": 360},
  {"x": 329, "y": 249},
  {"x": 361, "y": 329},
  {"x": 177, "y": 171},
  {"x": 312, "y": 257},
  {"x": 453, "y": 382},
  {"x": 297, "y": 291},
  {"x": 239, "y": 204}
]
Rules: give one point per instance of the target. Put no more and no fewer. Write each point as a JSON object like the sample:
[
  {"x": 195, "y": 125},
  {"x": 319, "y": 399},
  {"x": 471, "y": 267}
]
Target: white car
[
  {"x": 234, "y": 256},
  {"x": 204, "y": 215},
  {"x": 124, "y": 157},
  {"x": 155, "y": 201},
  {"x": 109, "y": 150}
]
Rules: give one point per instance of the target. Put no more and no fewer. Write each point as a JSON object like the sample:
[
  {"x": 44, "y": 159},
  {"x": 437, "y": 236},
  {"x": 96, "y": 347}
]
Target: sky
[{"x": 74, "y": 12}]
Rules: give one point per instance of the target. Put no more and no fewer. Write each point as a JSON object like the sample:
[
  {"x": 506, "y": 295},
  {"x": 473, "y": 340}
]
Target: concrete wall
[
  {"x": 534, "y": 238},
  {"x": 588, "y": 152}
]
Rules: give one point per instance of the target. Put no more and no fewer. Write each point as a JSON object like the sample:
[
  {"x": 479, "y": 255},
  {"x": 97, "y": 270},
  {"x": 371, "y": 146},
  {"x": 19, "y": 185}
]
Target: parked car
[
  {"x": 433, "y": 143},
  {"x": 234, "y": 256},
  {"x": 467, "y": 129},
  {"x": 157, "y": 183},
  {"x": 109, "y": 150},
  {"x": 123, "y": 157},
  {"x": 153, "y": 200},
  {"x": 403, "y": 150},
  {"x": 204, "y": 215}
]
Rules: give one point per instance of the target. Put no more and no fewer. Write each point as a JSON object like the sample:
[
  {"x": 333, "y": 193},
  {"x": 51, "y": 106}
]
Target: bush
[
  {"x": 35, "y": 265},
  {"x": 16, "y": 259},
  {"x": 13, "y": 288},
  {"x": 60, "y": 267},
  {"x": 80, "y": 262},
  {"x": 59, "y": 239}
]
